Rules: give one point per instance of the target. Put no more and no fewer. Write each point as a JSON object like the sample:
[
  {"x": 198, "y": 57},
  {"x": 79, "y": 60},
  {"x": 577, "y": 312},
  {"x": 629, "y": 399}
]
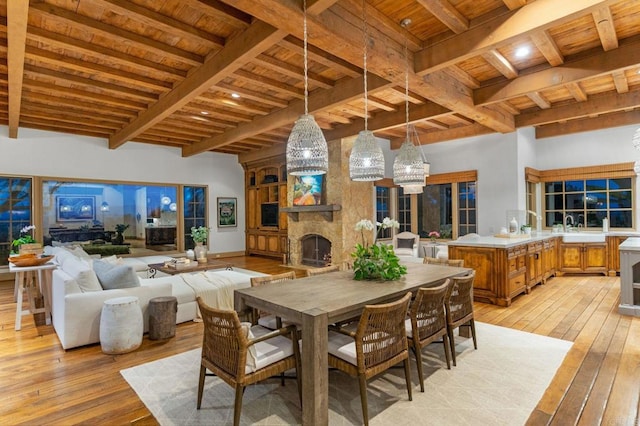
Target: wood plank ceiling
[{"x": 227, "y": 75}]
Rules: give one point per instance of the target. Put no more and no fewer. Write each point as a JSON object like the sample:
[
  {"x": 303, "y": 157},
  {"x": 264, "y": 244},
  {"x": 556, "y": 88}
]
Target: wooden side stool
[{"x": 162, "y": 317}]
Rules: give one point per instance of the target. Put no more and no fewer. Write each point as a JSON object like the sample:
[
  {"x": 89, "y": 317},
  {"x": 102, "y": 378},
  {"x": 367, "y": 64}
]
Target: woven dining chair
[
  {"x": 241, "y": 355},
  {"x": 263, "y": 318},
  {"x": 324, "y": 270},
  {"x": 448, "y": 262},
  {"x": 458, "y": 305},
  {"x": 379, "y": 342},
  {"x": 427, "y": 323}
]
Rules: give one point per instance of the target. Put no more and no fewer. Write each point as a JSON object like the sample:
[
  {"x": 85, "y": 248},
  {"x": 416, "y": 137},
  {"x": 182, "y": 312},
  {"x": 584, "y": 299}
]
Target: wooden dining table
[{"x": 317, "y": 301}]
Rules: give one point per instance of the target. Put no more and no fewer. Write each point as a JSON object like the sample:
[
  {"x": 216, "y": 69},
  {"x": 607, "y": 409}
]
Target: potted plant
[
  {"x": 200, "y": 235},
  {"x": 119, "y": 238},
  {"x": 376, "y": 261},
  {"x": 526, "y": 229}
]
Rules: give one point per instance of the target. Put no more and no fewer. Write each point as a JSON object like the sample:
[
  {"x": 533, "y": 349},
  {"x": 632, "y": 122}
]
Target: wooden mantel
[{"x": 325, "y": 210}]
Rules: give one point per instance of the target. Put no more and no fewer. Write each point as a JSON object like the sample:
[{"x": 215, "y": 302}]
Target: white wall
[
  {"x": 42, "y": 153},
  {"x": 500, "y": 160}
]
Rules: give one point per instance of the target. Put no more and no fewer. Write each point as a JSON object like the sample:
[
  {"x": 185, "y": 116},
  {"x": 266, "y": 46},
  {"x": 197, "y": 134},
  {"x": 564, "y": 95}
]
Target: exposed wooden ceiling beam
[
  {"x": 537, "y": 16},
  {"x": 539, "y": 100},
  {"x": 252, "y": 94},
  {"x": 292, "y": 70},
  {"x": 624, "y": 57},
  {"x": 162, "y": 22},
  {"x": 447, "y": 14},
  {"x": 95, "y": 50},
  {"x": 620, "y": 80},
  {"x": 548, "y": 47},
  {"x": 321, "y": 57},
  {"x": 386, "y": 57},
  {"x": 514, "y": 4},
  {"x": 605, "y": 27},
  {"x": 500, "y": 63},
  {"x": 597, "y": 104},
  {"x": 97, "y": 27},
  {"x": 17, "y": 14},
  {"x": 343, "y": 91},
  {"x": 588, "y": 124},
  {"x": 577, "y": 91},
  {"x": 222, "y": 10},
  {"x": 271, "y": 83},
  {"x": 237, "y": 52}
]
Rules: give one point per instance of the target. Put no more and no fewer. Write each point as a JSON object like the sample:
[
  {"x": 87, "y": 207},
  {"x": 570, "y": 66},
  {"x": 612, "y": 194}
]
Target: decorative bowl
[{"x": 30, "y": 259}]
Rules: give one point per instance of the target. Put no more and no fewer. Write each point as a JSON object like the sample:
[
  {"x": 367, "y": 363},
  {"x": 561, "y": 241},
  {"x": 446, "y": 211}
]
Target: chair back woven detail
[
  {"x": 225, "y": 345},
  {"x": 429, "y": 323},
  {"x": 324, "y": 270},
  {"x": 269, "y": 279},
  {"x": 381, "y": 335},
  {"x": 427, "y": 311},
  {"x": 447, "y": 262},
  {"x": 459, "y": 308},
  {"x": 380, "y": 343}
]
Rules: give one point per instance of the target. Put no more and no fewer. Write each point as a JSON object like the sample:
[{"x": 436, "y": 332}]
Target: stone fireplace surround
[{"x": 348, "y": 201}]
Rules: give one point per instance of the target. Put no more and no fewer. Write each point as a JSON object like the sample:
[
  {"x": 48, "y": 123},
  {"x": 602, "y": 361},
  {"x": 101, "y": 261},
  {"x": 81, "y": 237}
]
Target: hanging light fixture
[
  {"x": 408, "y": 167},
  {"x": 307, "y": 152},
  {"x": 366, "y": 162}
]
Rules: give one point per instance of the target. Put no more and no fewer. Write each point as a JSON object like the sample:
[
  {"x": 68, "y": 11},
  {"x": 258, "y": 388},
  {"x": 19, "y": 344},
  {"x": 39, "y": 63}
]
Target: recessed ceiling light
[
  {"x": 204, "y": 112},
  {"x": 522, "y": 52},
  {"x": 235, "y": 95}
]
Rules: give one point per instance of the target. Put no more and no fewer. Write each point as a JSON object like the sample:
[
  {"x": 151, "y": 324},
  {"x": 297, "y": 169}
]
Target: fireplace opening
[{"x": 316, "y": 250}]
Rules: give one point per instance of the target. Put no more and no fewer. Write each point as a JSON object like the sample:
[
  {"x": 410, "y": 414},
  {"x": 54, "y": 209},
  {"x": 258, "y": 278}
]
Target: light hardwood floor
[{"x": 598, "y": 383}]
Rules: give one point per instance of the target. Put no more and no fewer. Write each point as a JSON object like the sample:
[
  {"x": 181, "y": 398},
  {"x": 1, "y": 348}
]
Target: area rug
[{"x": 498, "y": 384}]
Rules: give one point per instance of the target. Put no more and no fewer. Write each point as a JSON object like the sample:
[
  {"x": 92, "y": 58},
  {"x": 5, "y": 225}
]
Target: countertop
[
  {"x": 496, "y": 242},
  {"x": 630, "y": 244}
]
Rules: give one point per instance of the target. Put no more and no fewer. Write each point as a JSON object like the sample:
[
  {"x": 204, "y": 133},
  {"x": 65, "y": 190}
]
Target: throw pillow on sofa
[
  {"x": 115, "y": 276},
  {"x": 82, "y": 273}
]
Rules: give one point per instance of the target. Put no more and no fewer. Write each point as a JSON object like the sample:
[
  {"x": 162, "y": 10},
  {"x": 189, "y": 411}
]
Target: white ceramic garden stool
[{"x": 121, "y": 325}]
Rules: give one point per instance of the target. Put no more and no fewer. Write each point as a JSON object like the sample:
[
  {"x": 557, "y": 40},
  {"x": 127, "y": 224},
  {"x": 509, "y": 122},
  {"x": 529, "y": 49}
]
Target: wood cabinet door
[
  {"x": 251, "y": 242},
  {"x": 262, "y": 243},
  {"x": 273, "y": 243},
  {"x": 571, "y": 257},
  {"x": 253, "y": 214},
  {"x": 595, "y": 257}
]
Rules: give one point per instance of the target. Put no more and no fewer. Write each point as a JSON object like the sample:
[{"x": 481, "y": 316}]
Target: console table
[
  {"x": 33, "y": 280},
  {"x": 159, "y": 235}
]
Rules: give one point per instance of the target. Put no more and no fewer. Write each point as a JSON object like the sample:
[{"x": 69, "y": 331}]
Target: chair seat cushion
[
  {"x": 269, "y": 321},
  {"x": 269, "y": 351},
  {"x": 408, "y": 327}
]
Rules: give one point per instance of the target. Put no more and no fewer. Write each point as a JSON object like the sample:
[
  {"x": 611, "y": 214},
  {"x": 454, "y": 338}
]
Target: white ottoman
[{"x": 121, "y": 325}]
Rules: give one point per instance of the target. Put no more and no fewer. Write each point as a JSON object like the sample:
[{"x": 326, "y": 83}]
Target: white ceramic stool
[{"x": 121, "y": 325}]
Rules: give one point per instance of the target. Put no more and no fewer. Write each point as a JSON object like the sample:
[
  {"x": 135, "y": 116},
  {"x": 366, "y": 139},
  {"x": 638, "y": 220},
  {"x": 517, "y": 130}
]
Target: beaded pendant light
[
  {"x": 307, "y": 152},
  {"x": 408, "y": 168},
  {"x": 366, "y": 162}
]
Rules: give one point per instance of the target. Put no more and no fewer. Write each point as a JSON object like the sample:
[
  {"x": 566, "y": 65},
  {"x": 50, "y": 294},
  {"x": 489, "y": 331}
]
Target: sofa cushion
[
  {"x": 115, "y": 276},
  {"x": 83, "y": 274}
]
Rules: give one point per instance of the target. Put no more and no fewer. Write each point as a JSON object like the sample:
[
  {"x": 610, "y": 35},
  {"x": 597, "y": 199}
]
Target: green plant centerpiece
[
  {"x": 200, "y": 235},
  {"x": 120, "y": 228},
  {"x": 376, "y": 261}
]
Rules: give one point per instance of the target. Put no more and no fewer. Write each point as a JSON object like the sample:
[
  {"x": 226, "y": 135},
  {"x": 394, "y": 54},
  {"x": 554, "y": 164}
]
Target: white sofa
[{"x": 77, "y": 303}]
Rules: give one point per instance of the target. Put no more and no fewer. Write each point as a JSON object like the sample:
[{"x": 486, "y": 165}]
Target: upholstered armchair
[{"x": 406, "y": 244}]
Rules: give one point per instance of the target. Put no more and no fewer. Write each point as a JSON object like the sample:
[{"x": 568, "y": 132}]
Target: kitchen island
[{"x": 507, "y": 267}]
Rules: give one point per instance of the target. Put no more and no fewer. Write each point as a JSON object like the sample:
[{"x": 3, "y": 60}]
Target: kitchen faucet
[{"x": 566, "y": 219}]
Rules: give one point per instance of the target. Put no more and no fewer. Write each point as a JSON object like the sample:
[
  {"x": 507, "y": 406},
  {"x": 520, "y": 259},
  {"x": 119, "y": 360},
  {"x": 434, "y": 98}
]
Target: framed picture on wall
[
  {"x": 227, "y": 212},
  {"x": 71, "y": 208},
  {"x": 308, "y": 190}
]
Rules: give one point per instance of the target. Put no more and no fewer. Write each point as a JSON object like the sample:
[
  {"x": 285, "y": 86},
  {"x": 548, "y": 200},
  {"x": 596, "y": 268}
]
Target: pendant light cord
[
  {"x": 406, "y": 84},
  {"x": 306, "y": 67},
  {"x": 364, "y": 37}
]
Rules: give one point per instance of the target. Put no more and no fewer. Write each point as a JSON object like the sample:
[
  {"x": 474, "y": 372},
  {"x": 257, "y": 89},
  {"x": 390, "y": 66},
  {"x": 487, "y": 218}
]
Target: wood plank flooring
[{"x": 598, "y": 383}]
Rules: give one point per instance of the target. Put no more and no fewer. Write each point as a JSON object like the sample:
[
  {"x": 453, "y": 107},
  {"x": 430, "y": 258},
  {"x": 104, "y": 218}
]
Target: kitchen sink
[{"x": 583, "y": 237}]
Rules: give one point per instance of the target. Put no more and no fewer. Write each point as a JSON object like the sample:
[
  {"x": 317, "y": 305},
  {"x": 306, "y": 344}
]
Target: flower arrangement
[
  {"x": 434, "y": 235},
  {"x": 376, "y": 261},
  {"x": 200, "y": 234},
  {"x": 26, "y": 237}
]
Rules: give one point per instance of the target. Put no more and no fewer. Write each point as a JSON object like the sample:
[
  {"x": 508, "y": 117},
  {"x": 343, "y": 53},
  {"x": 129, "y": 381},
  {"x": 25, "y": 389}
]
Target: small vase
[{"x": 201, "y": 252}]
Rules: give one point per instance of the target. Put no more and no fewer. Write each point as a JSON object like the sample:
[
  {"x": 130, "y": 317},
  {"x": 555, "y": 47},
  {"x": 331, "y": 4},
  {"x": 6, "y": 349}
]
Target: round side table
[
  {"x": 121, "y": 325},
  {"x": 162, "y": 317}
]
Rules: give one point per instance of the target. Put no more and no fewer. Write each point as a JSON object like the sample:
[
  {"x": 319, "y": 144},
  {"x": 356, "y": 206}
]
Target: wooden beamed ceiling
[{"x": 227, "y": 75}]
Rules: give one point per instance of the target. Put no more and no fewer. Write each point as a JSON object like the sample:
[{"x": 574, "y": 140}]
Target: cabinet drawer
[{"x": 516, "y": 284}]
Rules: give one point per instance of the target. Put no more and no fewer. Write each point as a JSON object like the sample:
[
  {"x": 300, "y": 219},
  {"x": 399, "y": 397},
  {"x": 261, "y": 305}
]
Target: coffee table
[{"x": 193, "y": 267}]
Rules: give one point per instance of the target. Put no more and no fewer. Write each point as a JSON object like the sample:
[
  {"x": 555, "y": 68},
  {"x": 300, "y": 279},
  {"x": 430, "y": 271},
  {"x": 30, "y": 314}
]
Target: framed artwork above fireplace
[{"x": 309, "y": 190}]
